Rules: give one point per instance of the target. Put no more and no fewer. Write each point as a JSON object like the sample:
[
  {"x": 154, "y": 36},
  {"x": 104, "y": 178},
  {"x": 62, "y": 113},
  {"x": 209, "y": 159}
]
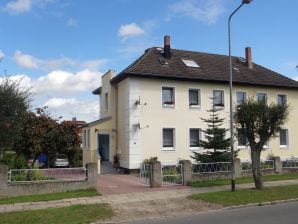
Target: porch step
[{"x": 106, "y": 167}]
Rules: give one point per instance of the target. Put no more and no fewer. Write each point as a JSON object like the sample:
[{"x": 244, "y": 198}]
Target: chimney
[
  {"x": 248, "y": 57},
  {"x": 167, "y": 47}
]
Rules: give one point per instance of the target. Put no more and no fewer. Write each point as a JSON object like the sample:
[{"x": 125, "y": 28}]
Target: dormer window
[{"x": 190, "y": 63}]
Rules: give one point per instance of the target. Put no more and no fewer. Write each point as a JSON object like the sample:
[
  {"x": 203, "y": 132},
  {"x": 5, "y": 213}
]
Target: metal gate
[
  {"x": 145, "y": 169},
  {"x": 171, "y": 174}
]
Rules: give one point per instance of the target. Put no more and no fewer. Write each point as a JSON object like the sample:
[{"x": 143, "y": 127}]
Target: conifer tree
[{"x": 216, "y": 146}]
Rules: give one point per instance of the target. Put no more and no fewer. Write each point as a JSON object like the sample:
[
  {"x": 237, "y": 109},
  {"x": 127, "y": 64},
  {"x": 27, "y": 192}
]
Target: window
[
  {"x": 194, "y": 97},
  {"x": 262, "y": 98},
  {"x": 194, "y": 137},
  {"x": 241, "y": 138},
  {"x": 281, "y": 99},
  {"x": 218, "y": 98},
  {"x": 240, "y": 97},
  {"x": 190, "y": 63},
  {"x": 283, "y": 138},
  {"x": 106, "y": 101},
  {"x": 168, "y": 98},
  {"x": 168, "y": 138}
]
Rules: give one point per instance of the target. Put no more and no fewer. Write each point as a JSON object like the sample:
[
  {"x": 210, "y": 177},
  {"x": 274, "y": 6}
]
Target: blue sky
[{"x": 61, "y": 47}]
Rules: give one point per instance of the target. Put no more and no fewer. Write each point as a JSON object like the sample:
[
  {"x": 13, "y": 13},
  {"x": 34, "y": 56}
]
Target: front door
[{"x": 104, "y": 146}]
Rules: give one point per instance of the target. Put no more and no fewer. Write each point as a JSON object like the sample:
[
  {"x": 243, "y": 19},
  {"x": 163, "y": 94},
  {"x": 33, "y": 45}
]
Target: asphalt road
[{"x": 285, "y": 213}]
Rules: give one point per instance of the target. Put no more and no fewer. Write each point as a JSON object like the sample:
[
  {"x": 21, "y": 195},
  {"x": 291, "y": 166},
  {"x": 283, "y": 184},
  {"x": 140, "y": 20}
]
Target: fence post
[
  {"x": 3, "y": 178},
  {"x": 186, "y": 171},
  {"x": 277, "y": 164},
  {"x": 237, "y": 167},
  {"x": 91, "y": 174},
  {"x": 155, "y": 174}
]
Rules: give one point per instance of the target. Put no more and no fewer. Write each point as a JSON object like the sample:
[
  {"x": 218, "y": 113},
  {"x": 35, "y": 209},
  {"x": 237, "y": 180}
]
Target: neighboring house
[
  {"x": 154, "y": 107},
  {"x": 80, "y": 125}
]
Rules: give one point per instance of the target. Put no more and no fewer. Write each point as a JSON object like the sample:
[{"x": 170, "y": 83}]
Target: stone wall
[{"x": 16, "y": 189}]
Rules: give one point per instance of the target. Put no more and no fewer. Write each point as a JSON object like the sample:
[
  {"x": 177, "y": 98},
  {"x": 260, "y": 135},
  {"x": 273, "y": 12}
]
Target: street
[{"x": 285, "y": 213}]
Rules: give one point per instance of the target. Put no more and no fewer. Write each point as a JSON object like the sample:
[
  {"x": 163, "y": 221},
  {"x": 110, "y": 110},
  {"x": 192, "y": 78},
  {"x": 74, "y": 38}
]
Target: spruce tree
[{"x": 216, "y": 146}]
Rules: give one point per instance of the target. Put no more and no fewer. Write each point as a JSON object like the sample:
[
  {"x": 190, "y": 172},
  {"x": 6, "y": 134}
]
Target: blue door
[{"x": 104, "y": 146}]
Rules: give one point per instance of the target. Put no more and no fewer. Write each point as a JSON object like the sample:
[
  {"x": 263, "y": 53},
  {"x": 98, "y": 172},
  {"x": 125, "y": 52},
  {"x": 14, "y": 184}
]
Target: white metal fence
[
  {"x": 172, "y": 174},
  {"x": 145, "y": 173},
  {"x": 221, "y": 167},
  {"x": 290, "y": 163},
  {"x": 265, "y": 165},
  {"x": 47, "y": 175}
]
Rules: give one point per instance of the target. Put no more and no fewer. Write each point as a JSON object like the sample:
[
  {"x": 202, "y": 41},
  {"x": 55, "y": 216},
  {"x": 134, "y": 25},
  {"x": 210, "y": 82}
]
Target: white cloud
[
  {"x": 66, "y": 83},
  {"x": 31, "y": 62},
  {"x": 15, "y": 7},
  {"x": 2, "y": 55},
  {"x": 205, "y": 11},
  {"x": 71, "y": 107},
  {"x": 71, "y": 22},
  {"x": 26, "y": 60},
  {"x": 66, "y": 94},
  {"x": 130, "y": 30},
  {"x": 18, "y": 6}
]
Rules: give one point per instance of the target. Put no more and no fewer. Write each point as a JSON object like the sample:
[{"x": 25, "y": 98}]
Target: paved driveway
[{"x": 123, "y": 183}]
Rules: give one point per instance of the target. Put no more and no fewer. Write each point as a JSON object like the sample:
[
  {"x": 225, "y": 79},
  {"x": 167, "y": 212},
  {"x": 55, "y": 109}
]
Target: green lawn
[
  {"x": 49, "y": 197},
  {"x": 241, "y": 197},
  {"x": 67, "y": 215},
  {"x": 242, "y": 180}
]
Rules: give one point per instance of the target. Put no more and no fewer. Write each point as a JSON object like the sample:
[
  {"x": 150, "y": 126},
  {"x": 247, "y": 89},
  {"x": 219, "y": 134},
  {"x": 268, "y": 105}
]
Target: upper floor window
[
  {"x": 262, "y": 98},
  {"x": 168, "y": 96},
  {"x": 240, "y": 97},
  {"x": 194, "y": 137},
  {"x": 281, "y": 99},
  {"x": 106, "y": 101},
  {"x": 283, "y": 138},
  {"x": 168, "y": 138},
  {"x": 194, "y": 97},
  {"x": 218, "y": 98}
]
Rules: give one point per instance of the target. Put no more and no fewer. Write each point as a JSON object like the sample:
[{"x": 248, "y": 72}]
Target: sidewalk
[{"x": 131, "y": 197}]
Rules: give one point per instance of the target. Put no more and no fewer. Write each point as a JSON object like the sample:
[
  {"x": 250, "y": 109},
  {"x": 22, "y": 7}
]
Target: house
[{"x": 154, "y": 107}]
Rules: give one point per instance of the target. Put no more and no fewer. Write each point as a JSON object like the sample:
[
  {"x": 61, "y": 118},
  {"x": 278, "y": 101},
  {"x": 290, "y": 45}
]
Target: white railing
[
  {"x": 47, "y": 175},
  {"x": 171, "y": 174},
  {"x": 216, "y": 167},
  {"x": 265, "y": 165},
  {"x": 290, "y": 163},
  {"x": 145, "y": 173}
]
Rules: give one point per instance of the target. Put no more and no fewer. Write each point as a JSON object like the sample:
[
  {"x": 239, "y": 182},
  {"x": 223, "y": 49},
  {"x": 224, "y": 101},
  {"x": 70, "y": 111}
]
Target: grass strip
[
  {"x": 242, "y": 197},
  {"x": 242, "y": 180},
  {"x": 67, "y": 215},
  {"x": 49, "y": 197}
]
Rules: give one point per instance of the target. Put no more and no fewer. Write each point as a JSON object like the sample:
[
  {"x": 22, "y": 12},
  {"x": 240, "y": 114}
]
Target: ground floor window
[{"x": 168, "y": 138}]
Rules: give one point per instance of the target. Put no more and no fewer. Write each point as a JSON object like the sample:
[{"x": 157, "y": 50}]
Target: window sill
[
  {"x": 168, "y": 106},
  {"x": 284, "y": 147},
  {"x": 168, "y": 149},
  {"x": 242, "y": 147},
  {"x": 194, "y": 148},
  {"x": 194, "y": 107}
]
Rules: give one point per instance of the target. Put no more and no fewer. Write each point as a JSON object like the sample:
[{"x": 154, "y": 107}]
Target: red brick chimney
[
  {"x": 167, "y": 47},
  {"x": 248, "y": 58}
]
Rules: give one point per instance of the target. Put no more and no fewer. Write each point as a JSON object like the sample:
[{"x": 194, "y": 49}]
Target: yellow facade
[{"x": 137, "y": 118}]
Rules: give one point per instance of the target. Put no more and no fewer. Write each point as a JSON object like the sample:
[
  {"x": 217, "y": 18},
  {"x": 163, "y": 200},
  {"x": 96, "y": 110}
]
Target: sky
[{"x": 60, "y": 48}]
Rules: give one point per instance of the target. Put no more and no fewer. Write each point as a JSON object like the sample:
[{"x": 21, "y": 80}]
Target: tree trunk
[{"x": 256, "y": 168}]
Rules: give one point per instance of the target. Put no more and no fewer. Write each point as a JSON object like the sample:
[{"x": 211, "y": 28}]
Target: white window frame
[
  {"x": 287, "y": 139},
  {"x": 266, "y": 97},
  {"x": 245, "y": 98},
  {"x": 164, "y": 148},
  {"x": 200, "y": 138},
  {"x": 174, "y": 97},
  {"x": 223, "y": 98},
  {"x": 199, "y": 98},
  {"x": 282, "y": 95}
]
